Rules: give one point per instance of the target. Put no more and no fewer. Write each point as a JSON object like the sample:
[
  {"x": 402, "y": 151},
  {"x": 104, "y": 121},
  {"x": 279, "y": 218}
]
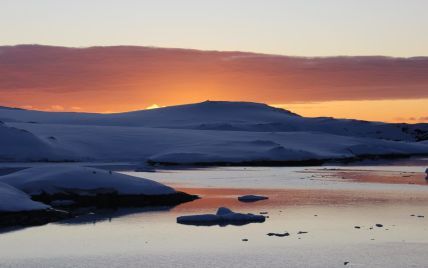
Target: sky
[
  {"x": 290, "y": 27},
  {"x": 322, "y": 28}
]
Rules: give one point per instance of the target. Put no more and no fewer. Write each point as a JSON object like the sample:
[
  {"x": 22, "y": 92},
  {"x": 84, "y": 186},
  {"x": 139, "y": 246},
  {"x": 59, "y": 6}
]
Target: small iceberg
[
  {"x": 252, "y": 198},
  {"x": 223, "y": 217}
]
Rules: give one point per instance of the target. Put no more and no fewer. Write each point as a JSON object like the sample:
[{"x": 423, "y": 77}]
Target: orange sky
[
  {"x": 411, "y": 111},
  {"x": 115, "y": 79}
]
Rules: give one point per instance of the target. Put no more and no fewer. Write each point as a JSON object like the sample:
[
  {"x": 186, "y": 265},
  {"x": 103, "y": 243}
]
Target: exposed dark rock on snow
[
  {"x": 31, "y": 218},
  {"x": 114, "y": 200}
]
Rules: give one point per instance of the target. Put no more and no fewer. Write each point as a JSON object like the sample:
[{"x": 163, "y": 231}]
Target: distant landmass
[{"x": 207, "y": 133}]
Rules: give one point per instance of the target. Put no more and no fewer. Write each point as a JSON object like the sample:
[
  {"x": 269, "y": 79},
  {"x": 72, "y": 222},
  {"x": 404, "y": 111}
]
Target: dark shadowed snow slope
[{"x": 22, "y": 145}]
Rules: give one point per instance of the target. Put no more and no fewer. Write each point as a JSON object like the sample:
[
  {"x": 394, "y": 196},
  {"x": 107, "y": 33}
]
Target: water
[{"x": 320, "y": 202}]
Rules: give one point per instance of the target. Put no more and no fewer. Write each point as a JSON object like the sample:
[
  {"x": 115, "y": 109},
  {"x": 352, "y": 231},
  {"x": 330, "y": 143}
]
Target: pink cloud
[{"x": 121, "y": 78}]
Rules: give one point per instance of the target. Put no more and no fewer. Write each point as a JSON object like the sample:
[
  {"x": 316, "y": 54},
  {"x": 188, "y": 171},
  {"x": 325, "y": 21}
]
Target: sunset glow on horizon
[
  {"x": 394, "y": 111},
  {"x": 86, "y": 68}
]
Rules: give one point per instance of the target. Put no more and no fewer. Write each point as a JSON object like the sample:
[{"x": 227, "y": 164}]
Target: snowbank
[
  {"x": 62, "y": 179},
  {"x": 14, "y": 200},
  {"x": 21, "y": 145},
  {"x": 184, "y": 146},
  {"x": 73, "y": 186},
  {"x": 224, "y": 216}
]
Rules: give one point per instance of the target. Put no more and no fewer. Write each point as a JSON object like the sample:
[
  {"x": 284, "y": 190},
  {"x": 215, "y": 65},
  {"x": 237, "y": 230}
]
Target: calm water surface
[{"x": 325, "y": 202}]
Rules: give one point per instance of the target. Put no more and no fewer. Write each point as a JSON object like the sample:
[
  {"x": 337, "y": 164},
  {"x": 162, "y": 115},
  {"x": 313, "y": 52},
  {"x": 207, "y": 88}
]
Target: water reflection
[
  {"x": 150, "y": 237},
  {"x": 93, "y": 215}
]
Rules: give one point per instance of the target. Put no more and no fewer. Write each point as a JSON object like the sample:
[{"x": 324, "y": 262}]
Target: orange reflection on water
[
  {"x": 371, "y": 176},
  {"x": 212, "y": 198}
]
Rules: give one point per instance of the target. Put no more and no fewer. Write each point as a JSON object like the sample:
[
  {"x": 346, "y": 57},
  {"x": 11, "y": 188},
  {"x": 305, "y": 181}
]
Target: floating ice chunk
[{"x": 224, "y": 216}]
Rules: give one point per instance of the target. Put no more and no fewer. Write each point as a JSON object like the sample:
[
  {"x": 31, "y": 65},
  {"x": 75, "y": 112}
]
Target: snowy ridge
[
  {"x": 184, "y": 116},
  {"x": 208, "y": 132},
  {"x": 222, "y": 115}
]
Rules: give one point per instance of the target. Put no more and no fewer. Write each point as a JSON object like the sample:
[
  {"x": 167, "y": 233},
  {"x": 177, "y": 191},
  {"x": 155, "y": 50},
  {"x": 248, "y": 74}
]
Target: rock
[
  {"x": 264, "y": 213},
  {"x": 279, "y": 234},
  {"x": 252, "y": 198},
  {"x": 357, "y": 227},
  {"x": 346, "y": 263},
  {"x": 379, "y": 225},
  {"x": 421, "y": 216},
  {"x": 62, "y": 203},
  {"x": 245, "y": 240},
  {"x": 302, "y": 232},
  {"x": 32, "y": 217}
]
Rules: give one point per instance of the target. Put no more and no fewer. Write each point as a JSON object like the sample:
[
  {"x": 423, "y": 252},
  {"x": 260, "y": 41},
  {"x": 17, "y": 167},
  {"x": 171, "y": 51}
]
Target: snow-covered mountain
[
  {"x": 221, "y": 115},
  {"x": 208, "y": 132},
  {"x": 181, "y": 116}
]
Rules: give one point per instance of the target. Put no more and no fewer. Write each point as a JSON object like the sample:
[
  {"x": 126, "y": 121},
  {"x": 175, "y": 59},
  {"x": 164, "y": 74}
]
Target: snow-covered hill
[
  {"x": 21, "y": 145},
  {"x": 208, "y": 132},
  {"x": 75, "y": 186},
  {"x": 181, "y": 116},
  {"x": 59, "y": 179},
  {"x": 220, "y": 115},
  {"x": 14, "y": 200}
]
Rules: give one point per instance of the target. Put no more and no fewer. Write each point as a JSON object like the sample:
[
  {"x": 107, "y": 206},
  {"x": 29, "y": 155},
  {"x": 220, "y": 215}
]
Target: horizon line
[{"x": 218, "y": 51}]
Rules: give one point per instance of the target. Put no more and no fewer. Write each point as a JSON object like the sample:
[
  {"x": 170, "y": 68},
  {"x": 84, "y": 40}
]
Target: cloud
[{"x": 124, "y": 78}]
